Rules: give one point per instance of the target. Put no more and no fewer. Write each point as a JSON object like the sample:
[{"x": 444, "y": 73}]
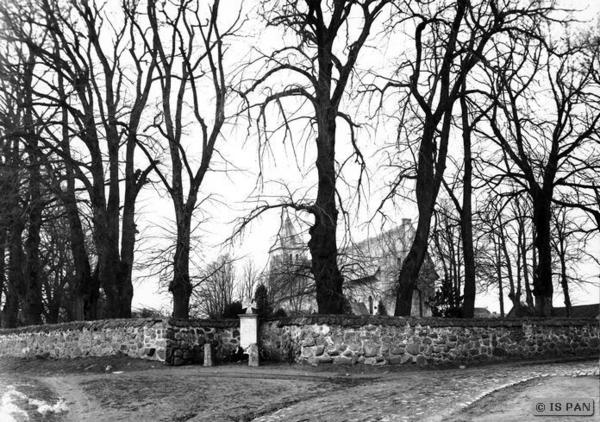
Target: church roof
[
  {"x": 363, "y": 281},
  {"x": 384, "y": 252}
]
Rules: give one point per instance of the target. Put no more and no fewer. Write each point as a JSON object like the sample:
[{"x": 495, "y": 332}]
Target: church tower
[
  {"x": 288, "y": 246},
  {"x": 289, "y": 273}
]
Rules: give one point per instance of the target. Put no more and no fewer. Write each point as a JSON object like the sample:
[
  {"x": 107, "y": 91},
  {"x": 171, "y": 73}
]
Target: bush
[
  {"x": 261, "y": 298},
  {"x": 280, "y": 313},
  {"x": 233, "y": 309},
  {"x": 346, "y": 306}
]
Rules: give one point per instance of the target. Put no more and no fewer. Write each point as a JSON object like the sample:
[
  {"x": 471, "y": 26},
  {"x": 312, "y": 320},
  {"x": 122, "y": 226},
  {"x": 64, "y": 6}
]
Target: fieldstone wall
[
  {"x": 425, "y": 341},
  {"x": 139, "y": 338},
  {"x": 174, "y": 342},
  {"x": 315, "y": 339},
  {"x": 185, "y": 340}
]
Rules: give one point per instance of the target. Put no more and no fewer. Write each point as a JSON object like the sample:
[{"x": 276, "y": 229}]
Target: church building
[
  {"x": 370, "y": 270},
  {"x": 373, "y": 267}
]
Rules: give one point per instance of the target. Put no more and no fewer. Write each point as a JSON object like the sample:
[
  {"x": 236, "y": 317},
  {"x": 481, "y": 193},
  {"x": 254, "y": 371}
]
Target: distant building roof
[
  {"x": 482, "y": 313},
  {"x": 579, "y": 311},
  {"x": 520, "y": 311}
]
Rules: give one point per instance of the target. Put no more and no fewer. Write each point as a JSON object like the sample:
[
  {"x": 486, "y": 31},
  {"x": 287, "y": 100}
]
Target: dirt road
[{"x": 120, "y": 389}]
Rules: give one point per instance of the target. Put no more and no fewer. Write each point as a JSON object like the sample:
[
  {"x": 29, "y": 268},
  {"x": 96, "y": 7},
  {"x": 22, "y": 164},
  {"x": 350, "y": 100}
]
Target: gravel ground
[{"x": 123, "y": 389}]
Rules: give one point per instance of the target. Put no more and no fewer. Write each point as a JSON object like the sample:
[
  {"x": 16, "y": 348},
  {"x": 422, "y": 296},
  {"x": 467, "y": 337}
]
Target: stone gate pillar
[{"x": 249, "y": 336}]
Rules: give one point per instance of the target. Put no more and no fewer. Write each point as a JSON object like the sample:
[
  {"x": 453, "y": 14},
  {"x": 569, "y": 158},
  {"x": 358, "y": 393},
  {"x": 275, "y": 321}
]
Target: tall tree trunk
[
  {"x": 523, "y": 248},
  {"x": 322, "y": 243},
  {"x": 498, "y": 254},
  {"x": 514, "y": 294},
  {"x": 85, "y": 288},
  {"x": 17, "y": 288},
  {"x": 134, "y": 181},
  {"x": 181, "y": 286},
  {"x": 411, "y": 267},
  {"x": 10, "y": 312},
  {"x": 114, "y": 279},
  {"x": 33, "y": 307},
  {"x": 561, "y": 249},
  {"x": 428, "y": 181},
  {"x": 564, "y": 281},
  {"x": 466, "y": 214},
  {"x": 530, "y": 300},
  {"x": 543, "y": 289},
  {"x": 17, "y": 291},
  {"x": 3, "y": 283}
]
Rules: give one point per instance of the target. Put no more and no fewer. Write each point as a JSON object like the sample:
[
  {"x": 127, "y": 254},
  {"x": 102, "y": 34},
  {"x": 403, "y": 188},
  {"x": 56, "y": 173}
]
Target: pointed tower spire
[{"x": 288, "y": 241}]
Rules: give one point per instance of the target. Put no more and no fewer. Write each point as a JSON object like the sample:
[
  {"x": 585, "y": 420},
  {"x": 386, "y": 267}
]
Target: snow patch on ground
[
  {"x": 9, "y": 411},
  {"x": 44, "y": 408}
]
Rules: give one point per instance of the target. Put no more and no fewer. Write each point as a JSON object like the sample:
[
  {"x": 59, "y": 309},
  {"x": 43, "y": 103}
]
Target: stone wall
[
  {"x": 139, "y": 338},
  {"x": 171, "y": 341},
  {"x": 185, "y": 340},
  {"x": 425, "y": 341},
  {"x": 315, "y": 339}
]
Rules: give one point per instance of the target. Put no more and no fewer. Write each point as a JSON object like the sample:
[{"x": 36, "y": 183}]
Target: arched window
[{"x": 370, "y": 305}]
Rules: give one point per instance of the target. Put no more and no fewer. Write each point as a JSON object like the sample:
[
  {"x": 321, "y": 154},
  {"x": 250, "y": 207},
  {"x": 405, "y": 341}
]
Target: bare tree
[
  {"x": 290, "y": 285},
  {"x": 91, "y": 61},
  {"x": 548, "y": 134},
  {"x": 569, "y": 240},
  {"x": 449, "y": 253},
  {"x": 25, "y": 202},
  {"x": 317, "y": 68},
  {"x": 215, "y": 289},
  {"x": 11, "y": 222},
  {"x": 450, "y": 40},
  {"x": 250, "y": 279},
  {"x": 189, "y": 41}
]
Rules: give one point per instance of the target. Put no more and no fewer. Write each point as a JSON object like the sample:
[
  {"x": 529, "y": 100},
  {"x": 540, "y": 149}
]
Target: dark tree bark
[
  {"x": 32, "y": 302},
  {"x": 433, "y": 150},
  {"x": 22, "y": 186},
  {"x": 560, "y": 138},
  {"x": 449, "y": 43},
  {"x": 565, "y": 249},
  {"x": 523, "y": 246},
  {"x": 323, "y": 233},
  {"x": 530, "y": 300},
  {"x": 181, "y": 285},
  {"x": 17, "y": 287},
  {"x": 192, "y": 54},
  {"x": 466, "y": 214},
  {"x": 321, "y": 72},
  {"x": 97, "y": 76},
  {"x": 86, "y": 288},
  {"x": 543, "y": 288},
  {"x": 498, "y": 259}
]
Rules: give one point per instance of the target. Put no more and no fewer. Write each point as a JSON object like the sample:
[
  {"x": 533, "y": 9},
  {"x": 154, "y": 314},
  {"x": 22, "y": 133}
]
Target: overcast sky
[{"x": 236, "y": 187}]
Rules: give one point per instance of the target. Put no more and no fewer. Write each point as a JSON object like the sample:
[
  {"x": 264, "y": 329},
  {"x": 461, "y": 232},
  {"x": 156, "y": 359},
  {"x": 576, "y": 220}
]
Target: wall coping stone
[
  {"x": 342, "y": 320},
  {"x": 359, "y": 320},
  {"x": 81, "y": 325},
  {"x": 194, "y": 323},
  {"x": 118, "y": 323}
]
